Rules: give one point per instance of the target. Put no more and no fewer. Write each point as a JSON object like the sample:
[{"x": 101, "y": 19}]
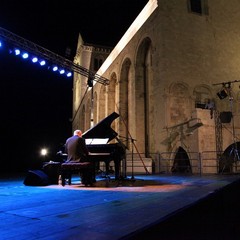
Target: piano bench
[{"x": 70, "y": 167}]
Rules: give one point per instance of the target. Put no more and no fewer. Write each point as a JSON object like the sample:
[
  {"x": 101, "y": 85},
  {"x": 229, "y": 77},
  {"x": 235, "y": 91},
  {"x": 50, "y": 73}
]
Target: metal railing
[{"x": 207, "y": 162}]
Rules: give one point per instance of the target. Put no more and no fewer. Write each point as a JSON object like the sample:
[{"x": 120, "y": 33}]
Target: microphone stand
[{"x": 132, "y": 142}]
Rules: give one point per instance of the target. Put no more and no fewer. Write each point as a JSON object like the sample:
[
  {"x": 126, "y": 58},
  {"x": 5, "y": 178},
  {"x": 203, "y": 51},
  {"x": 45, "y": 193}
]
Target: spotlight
[
  {"x": 222, "y": 94},
  {"x": 0, "y": 44},
  {"x": 42, "y": 62},
  {"x": 69, "y": 74},
  {"x": 55, "y": 68},
  {"x": 17, "y": 52},
  {"x": 44, "y": 152},
  {"x": 25, "y": 55},
  {"x": 34, "y": 60},
  {"x": 62, "y": 71},
  {"x": 90, "y": 81}
]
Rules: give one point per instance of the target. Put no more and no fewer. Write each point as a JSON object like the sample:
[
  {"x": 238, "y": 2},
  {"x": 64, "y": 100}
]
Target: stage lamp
[
  {"x": 34, "y": 60},
  {"x": 55, "y": 68},
  {"x": 17, "y": 52},
  {"x": 69, "y": 74},
  {"x": 0, "y": 44},
  {"x": 222, "y": 93},
  {"x": 62, "y": 71},
  {"x": 42, "y": 62},
  {"x": 25, "y": 55},
  {"x": 44, "y": 152}
]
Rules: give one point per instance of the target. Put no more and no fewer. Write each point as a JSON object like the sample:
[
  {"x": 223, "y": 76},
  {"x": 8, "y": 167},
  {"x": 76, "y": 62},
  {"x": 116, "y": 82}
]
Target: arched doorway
[{"x": 181, "y": 162}]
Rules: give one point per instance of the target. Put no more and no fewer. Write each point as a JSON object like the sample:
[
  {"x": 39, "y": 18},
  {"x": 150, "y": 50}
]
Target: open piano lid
[{"x": 103, "y": 128}]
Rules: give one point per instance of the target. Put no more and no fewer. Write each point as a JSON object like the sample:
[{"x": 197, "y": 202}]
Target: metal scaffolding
[{"x": 54, "y": 58}]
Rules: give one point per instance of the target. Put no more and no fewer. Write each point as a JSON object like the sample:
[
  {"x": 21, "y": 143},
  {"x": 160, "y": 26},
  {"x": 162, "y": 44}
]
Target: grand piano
[{"x": 105, "y": 152}]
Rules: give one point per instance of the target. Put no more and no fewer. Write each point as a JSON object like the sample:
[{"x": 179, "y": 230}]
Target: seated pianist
[
  {"x": 93, "y": 147},
  {"x": 77, "y": 153}
]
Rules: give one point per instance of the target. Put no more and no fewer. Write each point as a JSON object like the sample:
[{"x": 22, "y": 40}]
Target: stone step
[{"x": 138, "y": 164}]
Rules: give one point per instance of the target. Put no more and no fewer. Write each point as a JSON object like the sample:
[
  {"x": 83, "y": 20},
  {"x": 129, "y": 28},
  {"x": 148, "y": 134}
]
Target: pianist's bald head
[{"x": 77, "y": 132}]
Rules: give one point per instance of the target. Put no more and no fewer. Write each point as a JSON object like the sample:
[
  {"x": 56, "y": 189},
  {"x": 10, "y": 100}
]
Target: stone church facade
[{"x": 172, "y": 61}]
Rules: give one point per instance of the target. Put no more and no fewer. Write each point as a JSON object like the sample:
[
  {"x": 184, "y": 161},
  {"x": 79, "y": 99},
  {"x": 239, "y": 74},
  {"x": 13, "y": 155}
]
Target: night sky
[{"x": 36, "y": 104}]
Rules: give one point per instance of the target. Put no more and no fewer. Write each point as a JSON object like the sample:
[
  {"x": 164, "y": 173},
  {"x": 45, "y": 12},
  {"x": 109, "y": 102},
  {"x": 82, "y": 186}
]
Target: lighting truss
[
  {"x": 226, "y": 89},
  {"x": 54, "y": 58}
]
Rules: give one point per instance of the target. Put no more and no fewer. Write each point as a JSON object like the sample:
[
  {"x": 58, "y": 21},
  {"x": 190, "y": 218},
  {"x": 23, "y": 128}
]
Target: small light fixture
[
  {"x": 69, "y": 74},
  {"x": 44, "y": 152},
  {"x": 17, "y": 52},
  {"x": 25, "y": 55},
  {"x": 222, "y": 93},
  {"x": 42, "y": 62},
  {"x": 34, "y": 59},
  {"x": 55, "y": 68},
  {"x": 62, "y": 71}
]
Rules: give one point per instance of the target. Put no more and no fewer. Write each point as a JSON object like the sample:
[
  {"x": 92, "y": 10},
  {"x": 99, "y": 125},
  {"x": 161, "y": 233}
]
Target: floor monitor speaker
[{"x": 36, "y": 178}]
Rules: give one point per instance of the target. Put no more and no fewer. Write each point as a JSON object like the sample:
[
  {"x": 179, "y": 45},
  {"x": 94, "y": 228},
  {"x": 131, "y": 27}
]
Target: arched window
[
  {"x": 198, "y": 6},
  {"x": 202, "y": 96},
  {"x": 97, "y": 63}
]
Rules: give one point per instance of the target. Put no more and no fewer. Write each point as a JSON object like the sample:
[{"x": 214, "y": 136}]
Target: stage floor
[{"x": 110, "y": 210}]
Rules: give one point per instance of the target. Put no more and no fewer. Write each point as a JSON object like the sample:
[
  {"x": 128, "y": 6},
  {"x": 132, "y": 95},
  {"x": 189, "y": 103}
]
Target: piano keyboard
[{"x": 98, "y": 154}]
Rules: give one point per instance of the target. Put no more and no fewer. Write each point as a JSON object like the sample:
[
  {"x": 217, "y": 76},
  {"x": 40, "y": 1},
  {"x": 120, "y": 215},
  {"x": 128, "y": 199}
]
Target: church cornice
[{"x": 96, "y": 48}]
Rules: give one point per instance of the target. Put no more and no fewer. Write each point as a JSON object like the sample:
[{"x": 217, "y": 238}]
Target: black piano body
[{"x": 106, "y": 153}]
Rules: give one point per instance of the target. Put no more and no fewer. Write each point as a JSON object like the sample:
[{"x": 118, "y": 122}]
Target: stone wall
[{"x": 176, "y": 60}]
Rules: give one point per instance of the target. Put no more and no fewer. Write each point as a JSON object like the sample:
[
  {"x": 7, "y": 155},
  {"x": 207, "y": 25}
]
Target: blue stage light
[
  {"x": 17, "y": 52},
  {"x": 25, "y": 55},
  {"x": 69, "y": 74},
  {"x": 34, "y": 59},
  {"x": 55, "y": 68},
  {"x": 42, "y": 62}
]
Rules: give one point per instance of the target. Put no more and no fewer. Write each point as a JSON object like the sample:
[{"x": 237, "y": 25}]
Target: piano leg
[
  {"x": 117, "y": 169},
  {"x": 107, "y": 168},
  {"x": 107, "y": 163}
]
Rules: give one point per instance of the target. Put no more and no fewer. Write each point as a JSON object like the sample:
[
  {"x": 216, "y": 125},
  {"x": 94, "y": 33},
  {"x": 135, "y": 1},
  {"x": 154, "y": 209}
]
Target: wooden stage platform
[{"x": 118, "y": 210}]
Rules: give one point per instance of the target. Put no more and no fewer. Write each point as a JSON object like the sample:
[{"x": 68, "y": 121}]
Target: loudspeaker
[
  {"x": 225, "y": 117},
  {"x": 222, "y": 94},
  {"x": 52, "y": 170},
  {"x": 36, "y": 178}
]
